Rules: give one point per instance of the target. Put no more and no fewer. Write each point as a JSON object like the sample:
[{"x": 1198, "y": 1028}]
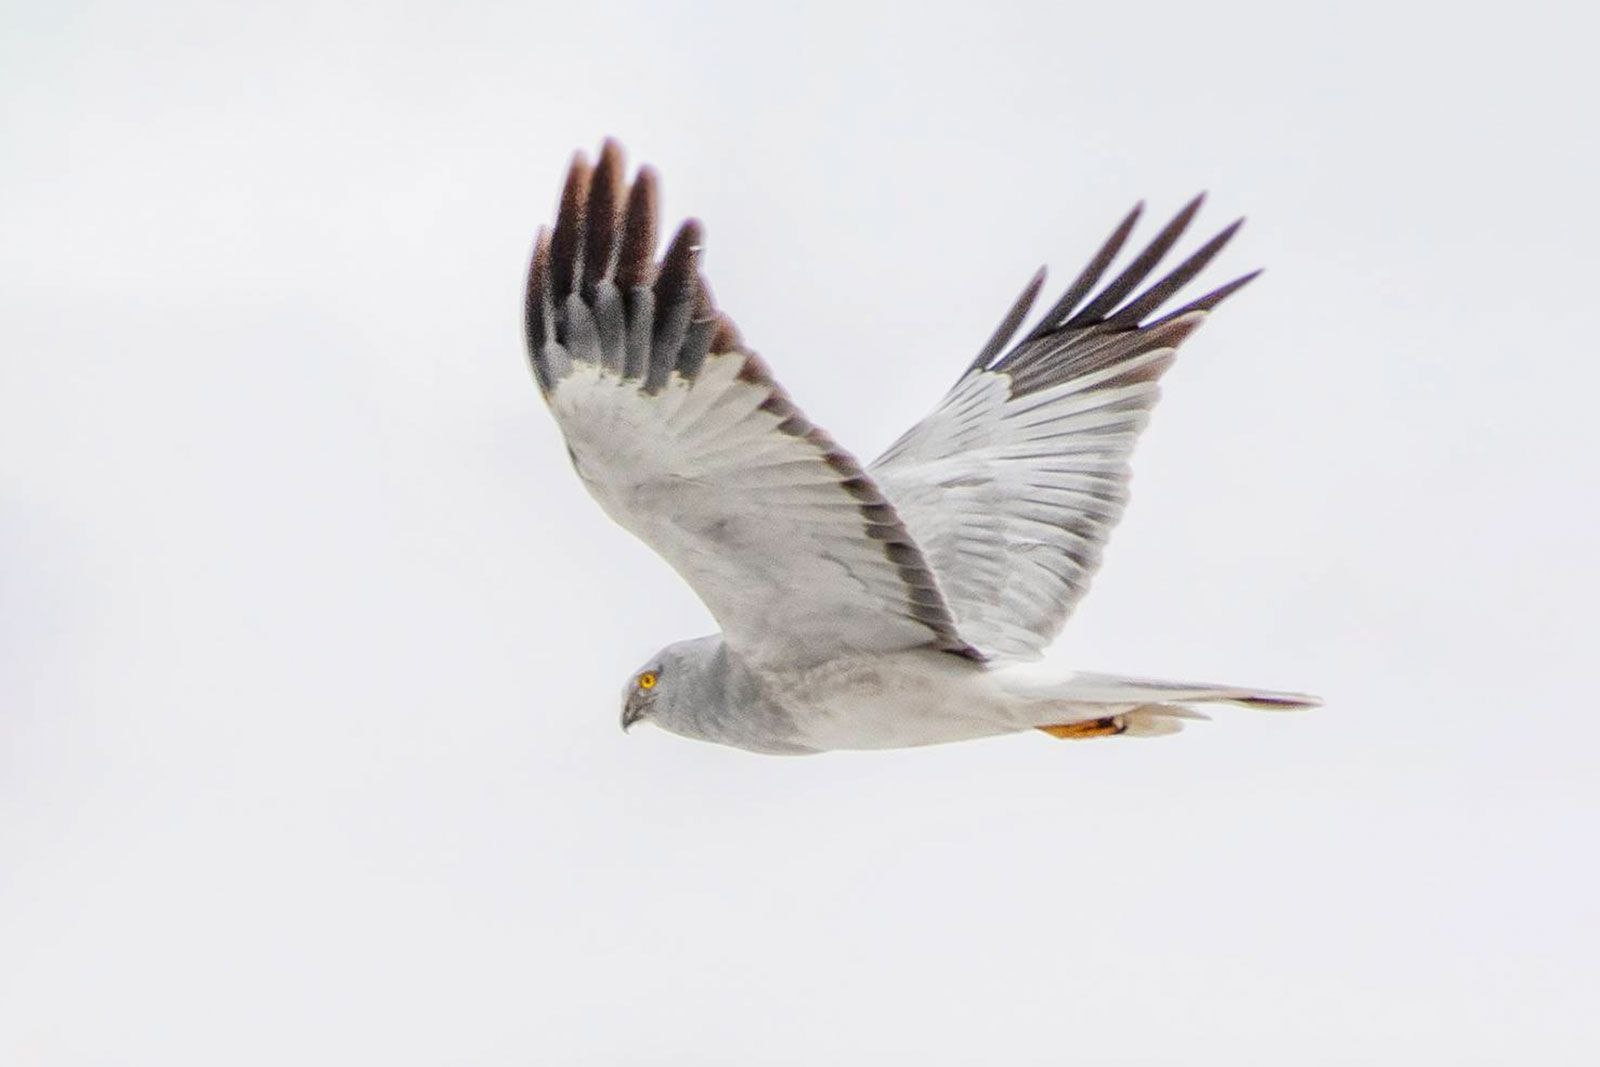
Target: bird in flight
[{"x": 862, "y": 606}]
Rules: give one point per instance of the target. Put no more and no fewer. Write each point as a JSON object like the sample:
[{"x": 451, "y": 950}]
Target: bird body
[
  {"x": 901, "y": 700},
  {"x": 915, "y": 697},
  {"x": 863, "y": 606}
]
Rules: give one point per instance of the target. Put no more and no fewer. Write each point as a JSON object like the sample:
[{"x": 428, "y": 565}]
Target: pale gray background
[{"x": 311, "y": 642}]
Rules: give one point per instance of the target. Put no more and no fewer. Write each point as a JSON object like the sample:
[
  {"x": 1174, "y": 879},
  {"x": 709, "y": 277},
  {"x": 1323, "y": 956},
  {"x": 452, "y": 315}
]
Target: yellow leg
[{"x": 1109, "y": 726}]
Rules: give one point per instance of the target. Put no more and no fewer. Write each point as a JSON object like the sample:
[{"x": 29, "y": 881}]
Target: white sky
[{"x": 311, "y": 642}]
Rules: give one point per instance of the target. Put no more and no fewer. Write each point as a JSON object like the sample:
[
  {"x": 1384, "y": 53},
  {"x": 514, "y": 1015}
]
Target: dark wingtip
[
  {"x": 1187, "y": 212},
  {"x": 726, "y": 338},
  {"x": 638, "y": 232},
  {"x": 1013, "y": 319},
  {"x": 536, "y": 320},
  {"x": 1146, "y": 261},
  {"x": 565, "y": 245},
  {"x": 676, "y": 280},
  {"x": 1214, "y": 297},
  {"x": 1089, "y": 277},
  {"x": 596, "y": 286},
  {"x": 538, "y": 284},
  {"x": 1129, "y": 221},
  {"x": 1071, "y": 341},
  {"x": 1132, "y": 313},
  {"x": 602, "y": 214}
]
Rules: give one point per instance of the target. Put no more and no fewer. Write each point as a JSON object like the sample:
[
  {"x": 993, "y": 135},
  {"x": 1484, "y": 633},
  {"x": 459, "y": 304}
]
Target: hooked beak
[{"x": 630, "y": 715}]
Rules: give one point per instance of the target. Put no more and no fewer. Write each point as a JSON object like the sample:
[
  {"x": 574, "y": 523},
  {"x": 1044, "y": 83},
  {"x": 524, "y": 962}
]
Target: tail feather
[
  {"x": 1158, "y": 720},
  {"x": 1114, "y": 689},
  {"x": 1097, "y": 705}
]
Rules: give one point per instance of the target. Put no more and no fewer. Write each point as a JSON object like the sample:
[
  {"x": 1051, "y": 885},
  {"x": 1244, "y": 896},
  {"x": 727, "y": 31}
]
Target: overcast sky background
[{"x": 311, "y": 642}]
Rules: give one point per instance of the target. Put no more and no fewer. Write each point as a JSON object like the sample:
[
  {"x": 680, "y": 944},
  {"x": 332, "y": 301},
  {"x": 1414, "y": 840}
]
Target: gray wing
[
  {"x": 1014, "y": 482},
  {"x": 685, "y": 439}
]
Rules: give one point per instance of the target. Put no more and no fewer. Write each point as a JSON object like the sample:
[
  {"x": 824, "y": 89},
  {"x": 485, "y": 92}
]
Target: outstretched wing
[
  {"x": 1014, "y": 482},
  {"x": 684, "y": 438}
]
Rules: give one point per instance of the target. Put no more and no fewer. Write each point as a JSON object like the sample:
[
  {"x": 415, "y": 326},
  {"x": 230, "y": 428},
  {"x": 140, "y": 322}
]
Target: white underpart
[
  {"x": 922, "y": 698},
  {"x": 925, "y": 698},
  {"x": 898, "y": 701}
]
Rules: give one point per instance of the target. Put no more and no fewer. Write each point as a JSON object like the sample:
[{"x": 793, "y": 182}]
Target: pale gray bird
[{"x": 861, "y": 607}]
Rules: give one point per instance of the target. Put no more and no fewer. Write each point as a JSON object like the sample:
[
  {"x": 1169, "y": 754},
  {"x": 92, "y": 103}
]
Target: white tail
[
  {"x": 1111, "y": 689},
  {"x": 1139, "y": 707}
]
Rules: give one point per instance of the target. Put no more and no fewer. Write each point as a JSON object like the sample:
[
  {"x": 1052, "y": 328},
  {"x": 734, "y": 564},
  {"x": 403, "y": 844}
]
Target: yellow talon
[{"x": 1109, "y": 726}]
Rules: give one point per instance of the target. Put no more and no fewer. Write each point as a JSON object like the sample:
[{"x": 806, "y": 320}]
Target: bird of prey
[{"x": 862, "y": 606}]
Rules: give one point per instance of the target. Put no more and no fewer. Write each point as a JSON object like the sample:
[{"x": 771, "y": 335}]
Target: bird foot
[{"x": 1109, "y": 726}]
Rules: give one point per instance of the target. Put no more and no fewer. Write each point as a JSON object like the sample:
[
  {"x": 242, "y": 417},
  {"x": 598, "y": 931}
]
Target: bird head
[
  {"x": 672, "y": 686},
  {"x": 642, "y": 691}
]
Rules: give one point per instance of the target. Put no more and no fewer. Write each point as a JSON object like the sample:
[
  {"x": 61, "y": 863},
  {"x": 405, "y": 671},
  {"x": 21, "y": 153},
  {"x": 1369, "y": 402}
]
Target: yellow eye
[{"x": 647, "y": 680}]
